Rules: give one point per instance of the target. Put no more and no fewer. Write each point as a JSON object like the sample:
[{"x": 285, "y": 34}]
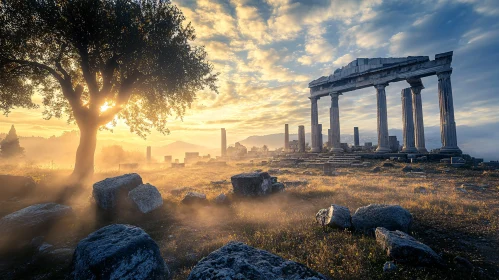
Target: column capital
[
  {"x": 444, "y": 74},
  {"x": 415, "y": 83},
  {"x": 335, "y": 94},
  {"x": 313, "y": 98},
  {"x": 380, "y": 86}
]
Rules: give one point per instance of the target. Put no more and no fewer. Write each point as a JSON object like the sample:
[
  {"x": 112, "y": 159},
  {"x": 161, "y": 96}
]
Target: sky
[{"x": 267, "y": 51}]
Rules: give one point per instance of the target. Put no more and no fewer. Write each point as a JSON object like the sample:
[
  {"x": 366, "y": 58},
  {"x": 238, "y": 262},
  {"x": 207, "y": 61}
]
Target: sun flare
[{"x": 104, "y": 107}]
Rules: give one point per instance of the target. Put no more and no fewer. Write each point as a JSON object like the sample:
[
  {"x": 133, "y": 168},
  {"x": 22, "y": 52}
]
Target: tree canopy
[{"x": 135, "y": 57}]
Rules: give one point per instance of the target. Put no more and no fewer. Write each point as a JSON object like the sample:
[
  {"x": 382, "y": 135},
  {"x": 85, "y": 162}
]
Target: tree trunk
[{"x": 84, "y": 164}]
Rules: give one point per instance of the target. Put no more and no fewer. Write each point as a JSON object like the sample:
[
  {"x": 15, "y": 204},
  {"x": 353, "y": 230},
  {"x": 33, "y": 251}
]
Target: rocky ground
[{"x": 455, "y": 212}]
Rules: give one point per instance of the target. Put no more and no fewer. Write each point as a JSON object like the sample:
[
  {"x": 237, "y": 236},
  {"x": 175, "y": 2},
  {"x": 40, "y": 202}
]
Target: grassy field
[{"x": 450, "y": 222}]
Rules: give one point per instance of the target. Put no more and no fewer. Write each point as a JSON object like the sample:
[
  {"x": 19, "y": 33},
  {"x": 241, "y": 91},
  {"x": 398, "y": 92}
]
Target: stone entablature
[{"x": 388, "y": 70}]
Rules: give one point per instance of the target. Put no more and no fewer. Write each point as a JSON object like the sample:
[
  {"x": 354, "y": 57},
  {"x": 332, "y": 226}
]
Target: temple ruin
[{"x": 379, "y": 73}]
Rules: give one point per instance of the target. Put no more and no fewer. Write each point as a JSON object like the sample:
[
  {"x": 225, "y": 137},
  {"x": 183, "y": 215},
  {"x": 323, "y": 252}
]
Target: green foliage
[
  {"x": 10, "y": 145},
  {"x": 135, "y": 56}
]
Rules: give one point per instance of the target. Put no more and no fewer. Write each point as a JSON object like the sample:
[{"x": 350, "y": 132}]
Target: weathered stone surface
[
  {"x": 393, "y": 217},
  {"x": 406, "y": 249},
  {"x": 18, "y": 229},
  {"x": 407, "y": 168},
  {"x": 376, "y": 169},
  {"x": 388, "y": 164},
  {"x": 146, "y": 197},
  {"x": 33, "y": 217},
  {"x": 118, "y": 252},
  {"x": 389, "y": 267},
  {"x": 110, "y": 192},
  {"x": 221, "y": 199},
  {"x": 252, "y": 184},
  {"x": 277, "y": 187},
  {"x": 237, "y": 260},
  {"x": 194, "y": 197},
  {"x": 335, "y": 216},
  {"x": 15, "y": 186}
]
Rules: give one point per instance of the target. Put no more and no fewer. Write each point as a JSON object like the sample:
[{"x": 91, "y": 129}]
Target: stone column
[
  {"x": 417, "y": 111},
  {"x": 356, "y": 139},
  {"x": 286, "y": 138},
  {"x": 383, "y": 141},
  {"x": 318, "y": 135},
  {"x": 329, "y": 140},
  {"x": 334, "y": 115},
  {"x": 301, "y": 139},
  {"x": 314, "y": 121},
  {"x": 407, "y": 122},
  {"x": 224, "y": 143},
  {"x": 447, "y": 122}
]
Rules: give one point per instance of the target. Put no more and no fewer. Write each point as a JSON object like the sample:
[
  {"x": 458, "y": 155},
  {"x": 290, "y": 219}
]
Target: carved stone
[
  {"x": 407, "y": 122},
  {"x": 383, "y": 139},
  {"x": 417, "y": 110},
  {"x": 334, "y": 114},
  {"x": 447, "y": 123}
]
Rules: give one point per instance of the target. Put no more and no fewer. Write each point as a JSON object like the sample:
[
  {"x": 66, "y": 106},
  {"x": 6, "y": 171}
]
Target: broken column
[
  {"x": 356, "y": 141},
  {"x": 383, "y": 141},
  {"x": 301, "y": 139},
  {"x": 447, "y": 122},
  {"x": 168, "y": 159},
  {"x": 407, "y": 122},
  {"x": 148, "y": 153},
  {"x": 286, "y": 138},
  {"x": 224, "y": 143}
]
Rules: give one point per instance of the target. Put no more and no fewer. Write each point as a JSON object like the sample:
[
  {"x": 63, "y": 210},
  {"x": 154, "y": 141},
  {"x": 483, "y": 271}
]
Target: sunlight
[{"x": 104, "y": 107}]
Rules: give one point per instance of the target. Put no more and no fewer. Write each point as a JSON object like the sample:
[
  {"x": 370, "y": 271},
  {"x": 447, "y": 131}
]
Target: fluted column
[
  {"x": 447, "y": 122},
  {"x": 417, "y": 111},
  {"x": 286, "y": 138},
  {"x": 301, "y": 139},
  {"x": 407, "y": 122},
  {"x": 314, "y": 123},
  {"x": 383, "y": 142},
  {"x": 334, "y": 115}
]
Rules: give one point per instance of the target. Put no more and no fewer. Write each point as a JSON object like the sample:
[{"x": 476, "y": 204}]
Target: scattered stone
[
  {"x": 181, "y": 190},
  {"x": 221, "y": 199},
  {"x": 252, "y": 184},
  {"x": 27, "y": 223},
  {"x": 407, "y": 168},
  {"x": 420, "y": 190},
  {"x": 15, "y": 186},
  {"x": 194, "y": 197},
  {"x": 390, "y": 267},
  {"x": 335, "y": 216},
  {"x": 417, "y": 170},
  {"x": 376, "y": 169},
  {"x": 463, "y": 264},
  {"x": 146, "y": 197},
  {"x": 404, "y": 248},
  {"x": 277, "y": 187},
  {"x": 110, "y": 192},
  {"x": 393, "y": 217},
  {"x": 237, "y": 260},
  {"x": 388, "y": 164},
  {"x": 118, "y": 252},
  {"x": 461, "y": 190}
]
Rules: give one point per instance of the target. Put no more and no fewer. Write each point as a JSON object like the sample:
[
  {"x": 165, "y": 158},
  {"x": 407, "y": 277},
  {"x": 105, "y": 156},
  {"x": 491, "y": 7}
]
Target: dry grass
[{"x": 450, "y": 222}]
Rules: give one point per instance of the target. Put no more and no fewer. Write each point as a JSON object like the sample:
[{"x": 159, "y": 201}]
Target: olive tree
[{"x": 134, "y": 57}]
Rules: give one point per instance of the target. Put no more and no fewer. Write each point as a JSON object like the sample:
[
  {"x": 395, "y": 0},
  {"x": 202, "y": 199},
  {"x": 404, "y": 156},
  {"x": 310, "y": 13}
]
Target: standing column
[
  {"x": 447, "y": 123},
  {"x": 329, "y": 140},
  {"x": 314, "y": 122},
  {"x": 407, "y": 122},
  {"x": 383, "y": 142},
  {"x": 301, "y": 139},
  {"x": 224, "y": 143},
  {"x": 334, "y": 115},
  {"x": 356, "y": 140},
  {"x": 417, "y": 110},
  {"x": 286, "y": 138}
]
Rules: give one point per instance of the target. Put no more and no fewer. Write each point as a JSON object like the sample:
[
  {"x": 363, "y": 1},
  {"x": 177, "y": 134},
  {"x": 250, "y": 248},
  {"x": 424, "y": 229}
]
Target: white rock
[{"x": 146, "y": 197}]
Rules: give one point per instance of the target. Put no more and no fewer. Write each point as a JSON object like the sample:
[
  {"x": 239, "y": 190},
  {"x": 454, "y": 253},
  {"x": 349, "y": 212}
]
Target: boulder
[
  {"x": 19, "y": 228},
  {"x": 277, "y": 187},
  {"x": 221, "y": 199},
  {"x": 335, "y": 216},
  {"x": 393, "y": 217},
  {"x": 404, "y": 248},
  {"x": 237, "y": 260},
  {"x": 252, "y": 184},
  {"x": 194, "y": 197},
  {"x": 376, "y": 169},
  {"x": 146, "y": 197},
  {"x": 15, "y": 186},
  {"x": 118, "y": 252},
  {"x": 407, "y": 168},
  {"x": 389, "y": 267},
  {"x": 388, "y": 164},
  {"x": 110, "y": 192}
]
